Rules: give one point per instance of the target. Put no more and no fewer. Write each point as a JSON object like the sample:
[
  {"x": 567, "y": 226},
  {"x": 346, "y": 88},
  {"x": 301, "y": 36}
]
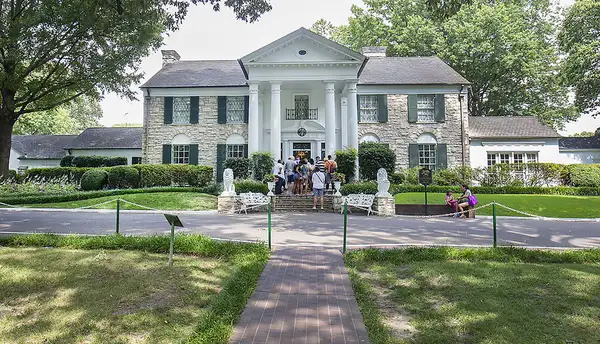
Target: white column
[
  {"x": 253, "y": 120},
  {"x": 276, "y": 120},
  {"x": 352, "y": 119},
  {"x": 329, "y": 118},
  {"x": 344, "y": 120}
]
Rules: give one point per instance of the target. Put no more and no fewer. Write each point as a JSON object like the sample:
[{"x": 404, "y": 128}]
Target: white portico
[{"x": 302, "y": 100}]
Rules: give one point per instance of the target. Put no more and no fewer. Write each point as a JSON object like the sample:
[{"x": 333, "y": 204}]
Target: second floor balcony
[{"x": 298, "y": 114}]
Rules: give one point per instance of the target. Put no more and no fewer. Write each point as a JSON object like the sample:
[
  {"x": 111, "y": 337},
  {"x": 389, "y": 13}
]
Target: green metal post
[
  {"x": 494, "y": 220},
  {"x": 269, "y": 223},
  {"x": 171, "y": 245},
  {"x": 118, "y": 210},
  {"x": 345, "y": 224},
  {"x": 426, "y": 210}
]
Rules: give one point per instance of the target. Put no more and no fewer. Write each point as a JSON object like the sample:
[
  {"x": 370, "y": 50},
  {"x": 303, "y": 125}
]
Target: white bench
[
  {"x": 360, "y": 201},
  {"x": 251, "y": 199}
]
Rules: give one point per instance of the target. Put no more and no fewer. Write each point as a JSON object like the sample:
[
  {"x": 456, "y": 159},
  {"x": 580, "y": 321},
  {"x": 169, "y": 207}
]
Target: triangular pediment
[{"x": 303, "y": 46}]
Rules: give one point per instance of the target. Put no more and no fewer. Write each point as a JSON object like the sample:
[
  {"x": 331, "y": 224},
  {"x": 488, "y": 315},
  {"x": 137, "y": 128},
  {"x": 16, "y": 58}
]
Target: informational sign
[
  {"x": 173, "y": 220},
  {"x": 425, "y": 176}
]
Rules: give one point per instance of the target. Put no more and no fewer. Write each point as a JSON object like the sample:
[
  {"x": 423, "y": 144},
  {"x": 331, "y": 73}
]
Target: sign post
[
  {"x": 425, "y": 178},
  {"x": 174, "y": 221}
]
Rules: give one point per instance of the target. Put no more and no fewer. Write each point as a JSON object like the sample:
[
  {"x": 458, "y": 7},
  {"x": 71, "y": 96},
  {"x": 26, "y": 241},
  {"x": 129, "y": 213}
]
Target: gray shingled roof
[
  {"x": 509, "y": 127},
  {"x": 207, "y": 73},
  {"x": 579, "y": 142},
  {"x": 41, "y": 146},
  {"x": 115, "y": 138},
  {"x": 409, "y": 71}
]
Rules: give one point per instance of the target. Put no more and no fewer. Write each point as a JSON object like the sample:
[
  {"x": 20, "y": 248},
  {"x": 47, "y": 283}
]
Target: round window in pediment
[{"x": 302, "y": 52}]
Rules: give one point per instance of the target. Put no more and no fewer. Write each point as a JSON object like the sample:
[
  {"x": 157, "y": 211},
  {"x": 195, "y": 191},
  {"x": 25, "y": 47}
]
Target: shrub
[
  {"x": 98, "y": 161},
  {"x": 94, "y": 179},
  {"x": 346, "y": 162},
  {"x": 200, "y": 176},
  {"x": 269, "y": 178},
  {"x": 453, "y": 176},
  {"x": 584, "y": 175},
  {"x": 396, "y": 178},
  {"x": 240, "y": 167},
  {"x": 153, "y": 175},
  {"x": 67, "y": 161},
  {"x": 359, "y": 187},
  {"x": 167, "y": 175},
  {"x": 36, "y": 186},
  {"x": 74, "y": 174},
  {"x": 261, "y": 164},
  {"x": 372, "y": 156},
  {"x": 250, "y": 185},
  {"x": 123, "y": 177}
]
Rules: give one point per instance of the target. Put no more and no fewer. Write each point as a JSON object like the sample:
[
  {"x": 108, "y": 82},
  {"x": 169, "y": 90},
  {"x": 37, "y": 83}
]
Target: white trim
[
  {"x": 408, "y": 89},
  {"x": 199, "y": 91},
  {"x": 579, "y": 150},
  {"x": 513, "y": 143}
]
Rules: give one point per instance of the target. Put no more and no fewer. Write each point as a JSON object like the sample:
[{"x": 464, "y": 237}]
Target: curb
[{"x": 105, "y": 211}]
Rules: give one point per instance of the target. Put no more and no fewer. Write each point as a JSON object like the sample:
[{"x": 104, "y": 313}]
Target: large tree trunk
[{"x": 6, "y": 128}]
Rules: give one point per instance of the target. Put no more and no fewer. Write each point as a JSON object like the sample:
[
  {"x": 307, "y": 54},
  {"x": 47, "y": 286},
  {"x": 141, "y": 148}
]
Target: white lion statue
[
  {"x": 228, "y": 187},
  {"x": 383, "y": 184}
]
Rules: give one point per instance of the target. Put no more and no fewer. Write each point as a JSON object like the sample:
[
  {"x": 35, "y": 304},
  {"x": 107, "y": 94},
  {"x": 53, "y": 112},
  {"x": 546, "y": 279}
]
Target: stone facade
[
  {"x": 399, "y": 133},
  {"x": 385, "y": 206},
  {"x": 207, "y": 133}
]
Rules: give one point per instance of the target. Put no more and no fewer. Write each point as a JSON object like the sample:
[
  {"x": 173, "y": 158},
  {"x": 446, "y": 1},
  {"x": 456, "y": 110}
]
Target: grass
[
  {"x": 543, "y": 205},
  {"x": 162, "y": 201},
  {"x": 120, "y": 289},
  {"x": 504, "y": 295}
]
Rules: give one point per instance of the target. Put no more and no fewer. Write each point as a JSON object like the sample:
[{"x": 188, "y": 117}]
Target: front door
[{"x": 301, "y": 149}]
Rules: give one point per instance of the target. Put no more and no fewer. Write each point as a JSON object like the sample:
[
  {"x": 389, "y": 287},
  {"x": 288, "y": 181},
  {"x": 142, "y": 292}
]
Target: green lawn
[
  {"x": 158, "y": 200},
  {"x": 413, "y": 298},
  {"x": 543, "y": 205}
]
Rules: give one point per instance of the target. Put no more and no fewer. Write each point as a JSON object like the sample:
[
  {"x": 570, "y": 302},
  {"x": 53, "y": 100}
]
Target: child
[{"x": 450, "y": 201}]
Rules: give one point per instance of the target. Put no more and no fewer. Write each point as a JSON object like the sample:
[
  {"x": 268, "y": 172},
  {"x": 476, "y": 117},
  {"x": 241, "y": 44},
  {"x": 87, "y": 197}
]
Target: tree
[
  {"x": 583, "y": 134},
  {"x": 52, "y": 52},
  {"x": 579, "y": 38},
  {"x": 505, "y": 49}
]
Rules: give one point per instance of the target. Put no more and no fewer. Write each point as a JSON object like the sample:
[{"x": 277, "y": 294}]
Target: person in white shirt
[{"x": 318, "y": 181}]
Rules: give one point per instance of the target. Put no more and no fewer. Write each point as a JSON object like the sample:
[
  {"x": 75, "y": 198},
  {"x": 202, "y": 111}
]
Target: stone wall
[
  {"x": 399, "y": 133},
  {"x": 207, "y": 133}
]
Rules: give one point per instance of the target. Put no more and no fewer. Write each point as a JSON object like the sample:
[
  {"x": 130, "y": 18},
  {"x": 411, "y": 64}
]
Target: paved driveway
[{"x": 315, "y": 228}]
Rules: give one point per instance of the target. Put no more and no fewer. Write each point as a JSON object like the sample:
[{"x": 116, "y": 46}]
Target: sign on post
[
  {"x": 174, "y": 221},
  {"x": 425, "y": 178}
]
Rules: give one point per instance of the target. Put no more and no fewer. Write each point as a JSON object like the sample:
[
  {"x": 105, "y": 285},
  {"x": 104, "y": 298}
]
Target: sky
[{"x": 209, "y": 35}]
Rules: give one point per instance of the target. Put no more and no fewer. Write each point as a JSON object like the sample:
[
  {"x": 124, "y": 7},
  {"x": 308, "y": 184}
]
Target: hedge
[
  {"x": 73, "y": 173},
  {"x": 123, "y": 177},
  {"x": 250, "y": 185},
  {"x": 261, "y": 163},
  {"x": 167, "y": 175},
  {"x": 94, "y": 179},
  {"x": 372, "y": 156},
  {"x": 346, "y": 162},
  {"x": 98, "y": 161},
  {"x": 67, "y": 161},
  {"x": 584, "y": 175},
  {"x": 240, "y": 167}
]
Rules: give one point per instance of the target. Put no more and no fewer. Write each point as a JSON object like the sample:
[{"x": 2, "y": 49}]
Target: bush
[
  {"x": 359, "y": 187},
  {"x": 67, "y": 161},
  {"x": 17, "y": 187},
  {"x": 123, "y": 177},
  {"x": 167, "y": 175},
  {"x": 584, "y": 175},
  {"x": 372, "y": 156},
  {"x": 94, "y": 179},
  {"x": 261, "y": 164},
  {"x": 250, "y": 185},
  {"x": 269, "y": 178},
  {"x": 153, "y": 175},
  {"x": 98, "y": 161},
  {"x": 346, "y": 162},
  {"x": 200, "y": 176},
  {"x": 73, "y": 174},
  {"x": 453, "y": 176},
  {"x": 396, "y": 178},
  {"x": 240, "y": 167}
]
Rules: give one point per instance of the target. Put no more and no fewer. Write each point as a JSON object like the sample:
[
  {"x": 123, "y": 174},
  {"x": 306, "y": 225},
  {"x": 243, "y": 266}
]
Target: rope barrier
[
  {"x": 538, "y": 217},
  {"x": 94, "y": 205},
  {"x": 8, "y": 205},
  {"x": 445, "y": 215},
  {"x": 137, "y": 205}
]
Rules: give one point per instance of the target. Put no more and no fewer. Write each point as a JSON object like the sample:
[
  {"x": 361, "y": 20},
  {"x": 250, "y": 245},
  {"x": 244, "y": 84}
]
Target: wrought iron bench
[
  {"x": 252, "y": 200},
  {"x": 360, "y": 201}
]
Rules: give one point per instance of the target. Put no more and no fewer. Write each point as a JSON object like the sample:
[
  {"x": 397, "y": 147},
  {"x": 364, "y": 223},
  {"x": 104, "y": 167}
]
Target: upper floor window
[
  {"x": 181, "y": 110},
  {"x": 426, "y": 108},
  {"x": 369, "y": 106},
  {"x": 235, "y": 109}
]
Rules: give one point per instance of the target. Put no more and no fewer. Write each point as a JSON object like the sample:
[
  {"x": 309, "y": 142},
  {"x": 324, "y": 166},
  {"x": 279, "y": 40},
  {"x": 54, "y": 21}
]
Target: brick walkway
[{"x": 304, "y": 295}]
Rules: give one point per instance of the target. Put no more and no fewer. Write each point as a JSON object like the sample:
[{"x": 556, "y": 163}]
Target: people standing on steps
[
  {"x": 318, "y": 182},
  {"x": 330, "y": 167},
  {"x": 289, "y": 168}
]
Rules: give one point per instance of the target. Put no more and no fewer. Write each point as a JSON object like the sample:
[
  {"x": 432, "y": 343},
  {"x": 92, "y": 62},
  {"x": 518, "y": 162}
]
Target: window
[
  {"x": 323, "y": 156},
  {"x": 181, "y": 154},
  {"x": 235, "y": 151},
  {"x": 301, "y": 105},
  {"x": 427, "y": 156},
  {"x": 532, "y": 157},
  {"x": 504, "y": 158},
  {"x": 181, "y": 110},
  {"x": 235, "y": 109},
  {"x": 511, "y": 158},
  {"x": 426, "y": 108},
  {"x": 369, "y": 138},
  {"x": 369, "y": 109},
  {"x": 136, "y": 160},
  {"x": 491, "y": 159}
]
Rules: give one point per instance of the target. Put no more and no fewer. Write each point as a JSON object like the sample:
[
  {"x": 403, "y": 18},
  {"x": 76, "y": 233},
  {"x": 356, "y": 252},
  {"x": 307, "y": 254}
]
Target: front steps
[{"x": 300, "y": 203}]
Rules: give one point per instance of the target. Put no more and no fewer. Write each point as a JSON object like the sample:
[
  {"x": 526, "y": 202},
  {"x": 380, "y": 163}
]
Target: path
[
  {"x": 304, "y": 295},
  {"x": 316, "y": 228}
]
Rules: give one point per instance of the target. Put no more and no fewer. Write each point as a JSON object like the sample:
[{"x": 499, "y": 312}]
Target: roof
[
  {"x": 203, "y": 73},
  {"x": 409, "y": 71},
  {"x": 579, "y": 142},
  {"x": 41, "y": 146},
  {"x": 108, "y": 138},
  {"x": 509, "y": 127}
]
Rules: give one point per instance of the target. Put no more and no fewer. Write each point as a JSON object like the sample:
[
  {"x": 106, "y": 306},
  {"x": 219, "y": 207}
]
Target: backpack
[{"x": 332, "y": 167}]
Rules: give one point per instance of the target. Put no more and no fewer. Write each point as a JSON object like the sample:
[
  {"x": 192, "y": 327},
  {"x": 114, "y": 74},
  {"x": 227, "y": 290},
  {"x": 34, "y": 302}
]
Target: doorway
[{"x": 302, "y": 149}]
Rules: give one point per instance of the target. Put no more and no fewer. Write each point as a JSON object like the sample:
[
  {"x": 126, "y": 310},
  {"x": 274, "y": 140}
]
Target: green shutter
[
  {"x": 440, "y": 108},
  {"x": 412, "y": 108},
  {"x": 166, "y": 154},
  {"x": 246, "y": 108},
  {"x": 193, "y": 154},
  {"x": 382, "y": 110},
  {"x": 245, "y": 150},
  {"x": 168, "y": 110},
  {"x": 221, "y": 153},
  {"x": 358, "y": 108},
  {"x": 441, "y": 159},
  {"x": 222, "y": 103},
  {"x": 413, "y": 155},
  {"x": 194, "y": 109}
]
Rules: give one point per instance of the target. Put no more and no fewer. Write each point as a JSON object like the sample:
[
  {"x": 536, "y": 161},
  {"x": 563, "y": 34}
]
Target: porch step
[{"x": 300, "y": 203}]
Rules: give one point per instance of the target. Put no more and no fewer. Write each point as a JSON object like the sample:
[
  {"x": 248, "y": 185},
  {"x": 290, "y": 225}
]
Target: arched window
[
  {"x": 180, "y": 149},
  {"x": 369, "y": 138},
  {"x": 427, "y": 151},
  {"x": 236, "y": 146}
]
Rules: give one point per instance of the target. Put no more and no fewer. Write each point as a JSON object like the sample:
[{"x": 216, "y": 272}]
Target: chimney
[
  {"x": 169, "y": 56},
  {"x": 373, "y": 51}
]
